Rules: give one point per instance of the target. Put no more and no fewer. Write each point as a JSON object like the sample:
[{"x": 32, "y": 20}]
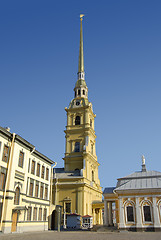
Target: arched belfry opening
[{"x": 77, "y": 120}]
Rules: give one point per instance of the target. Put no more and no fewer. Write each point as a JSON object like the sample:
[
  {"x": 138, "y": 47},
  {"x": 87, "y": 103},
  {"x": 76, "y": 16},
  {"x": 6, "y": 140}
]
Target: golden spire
[{"x": 81, "y": 56}]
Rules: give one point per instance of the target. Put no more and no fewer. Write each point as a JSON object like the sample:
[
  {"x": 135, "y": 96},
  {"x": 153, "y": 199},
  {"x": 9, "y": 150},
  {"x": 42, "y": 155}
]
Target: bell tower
[
  {"x": 80, "y": 136},
  {"x": 76, "y": 187}
]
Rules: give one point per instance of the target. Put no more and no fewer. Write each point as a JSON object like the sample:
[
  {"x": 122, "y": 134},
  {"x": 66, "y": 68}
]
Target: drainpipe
[
  {"x": 51, "y": 182},
  {"x": 51, "y": 192},
  {"x": 7, "y": 176}
]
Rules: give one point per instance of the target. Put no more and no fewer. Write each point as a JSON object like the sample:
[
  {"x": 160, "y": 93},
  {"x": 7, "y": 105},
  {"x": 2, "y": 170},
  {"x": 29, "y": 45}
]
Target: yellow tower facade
[{"x": 77, "y": 186}]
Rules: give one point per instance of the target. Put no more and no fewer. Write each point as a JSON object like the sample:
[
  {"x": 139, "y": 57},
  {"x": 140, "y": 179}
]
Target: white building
[
  {"x": 137, "y": 199},
  {"x": 25, "y": 177}
]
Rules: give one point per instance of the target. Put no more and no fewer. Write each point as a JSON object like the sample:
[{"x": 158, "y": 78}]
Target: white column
[
  {"x": 156, "y": 214},
  {"x": 105, "y": 213},
  {"x": 110, "y": 214},
  {"x": 138, "y": 214},
  {"x": 121, "y": 213}
]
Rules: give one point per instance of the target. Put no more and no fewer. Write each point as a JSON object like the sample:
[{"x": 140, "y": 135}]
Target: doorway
[{"x": 14, "y": 222}]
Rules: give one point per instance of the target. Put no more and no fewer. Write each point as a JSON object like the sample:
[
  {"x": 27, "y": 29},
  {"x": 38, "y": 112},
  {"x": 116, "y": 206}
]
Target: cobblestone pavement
[{"x": 51, "y": 235}]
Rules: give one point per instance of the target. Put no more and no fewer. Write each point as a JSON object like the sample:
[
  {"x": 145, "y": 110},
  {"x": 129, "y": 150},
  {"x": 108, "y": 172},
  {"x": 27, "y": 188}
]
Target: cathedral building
[{"x": 76, "y": 187}]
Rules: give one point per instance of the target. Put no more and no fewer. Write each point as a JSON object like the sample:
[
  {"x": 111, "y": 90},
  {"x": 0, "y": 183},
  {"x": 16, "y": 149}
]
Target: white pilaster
[
  {"x": 122, "y": 217},
  {"x": 110, "y": 214},
  {"x": 105, "y": 213},
  {"x": 138, "y": 214},
  {"x": 156, "y": 214}
]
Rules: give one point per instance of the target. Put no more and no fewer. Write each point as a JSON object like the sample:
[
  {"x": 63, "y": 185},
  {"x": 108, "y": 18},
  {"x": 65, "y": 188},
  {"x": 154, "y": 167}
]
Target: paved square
[{"x": 51, "y": 235}]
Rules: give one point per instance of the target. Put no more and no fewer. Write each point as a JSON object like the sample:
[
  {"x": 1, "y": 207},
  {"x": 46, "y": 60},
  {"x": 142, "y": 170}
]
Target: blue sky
[{"x": 39, "y": 46}]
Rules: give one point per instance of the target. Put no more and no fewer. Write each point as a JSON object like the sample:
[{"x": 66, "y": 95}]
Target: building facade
[
  {"x": 137, "y": 200},
  {"x": 76, "y": 187},
  {"x": 25, "y": 176}
]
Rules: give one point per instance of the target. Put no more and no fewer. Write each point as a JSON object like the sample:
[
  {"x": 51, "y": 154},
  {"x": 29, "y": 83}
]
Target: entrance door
[
  {"x": 53, "y": 218},
  {"x": 14, "y": 222}
]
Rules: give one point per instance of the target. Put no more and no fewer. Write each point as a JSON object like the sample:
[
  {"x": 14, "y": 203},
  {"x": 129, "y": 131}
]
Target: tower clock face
[{"x": 77, "y": 103}]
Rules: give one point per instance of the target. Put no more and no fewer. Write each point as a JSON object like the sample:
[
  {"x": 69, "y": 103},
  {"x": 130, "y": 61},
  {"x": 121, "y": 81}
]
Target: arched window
[
  {"x": 77, "y": 147},
  {"x": 92, "y": 176},
  {"x": 147, "y": 211},
  {"x": 130, "y": 213},
  {"x": 17, "y": 196},
  {"x": 77, "y": 120}
]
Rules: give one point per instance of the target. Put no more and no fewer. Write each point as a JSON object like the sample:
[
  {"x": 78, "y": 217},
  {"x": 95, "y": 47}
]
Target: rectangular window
[
  {"x": 40, "y": 214},
  {"x": 31, "y": 189},
  {"x": 45, "y": 214},
  {"x": 79, "y": 92},
  {"x": 77, "y": 147},
  {"x": 47, "y": 173},
  {"x": 41, "y": 191},
  {"x": 1, "y": 204},
  {"x": 21, "y": 159},
  {"x": 130, "y": 214},
  {"x": 42, "y": 171},
  {"x": 68, "y": 207},
  {"x": 17, "y": 196},
  {"x": 46, "y": 192},
  {"x": 5, "y": 153},
  {"x": 36, "y": 189},
  {"x": 33, "y": 167},
  {"x": 35, "y": 214},
  {"x": 147, "y": 213},
  {"x": 38, "y": 170},
  {"x": 2, "y": 181},
  {"x": 29, "y": 211},
  {"x": 83, "y": 92}
]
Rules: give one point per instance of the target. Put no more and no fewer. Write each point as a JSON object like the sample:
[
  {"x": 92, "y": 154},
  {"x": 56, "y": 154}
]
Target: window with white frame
[
  {"x": 130, "y": 213},
  {"x": 147, "y": 213}
]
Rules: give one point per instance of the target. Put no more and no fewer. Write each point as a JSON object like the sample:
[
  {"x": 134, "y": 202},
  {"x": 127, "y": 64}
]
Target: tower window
[
  {"x": 83, "y": 92},
  {"x": 77, "y": 120},
  {"x": 77, "y": 147},
  {"x": 90, "y": 122},
  {"x": 92, "y": 148},
  {"x": 79, "y": 92},
  {"x": 75, "y": 93},
  {"x": 92, "y": 176}
]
